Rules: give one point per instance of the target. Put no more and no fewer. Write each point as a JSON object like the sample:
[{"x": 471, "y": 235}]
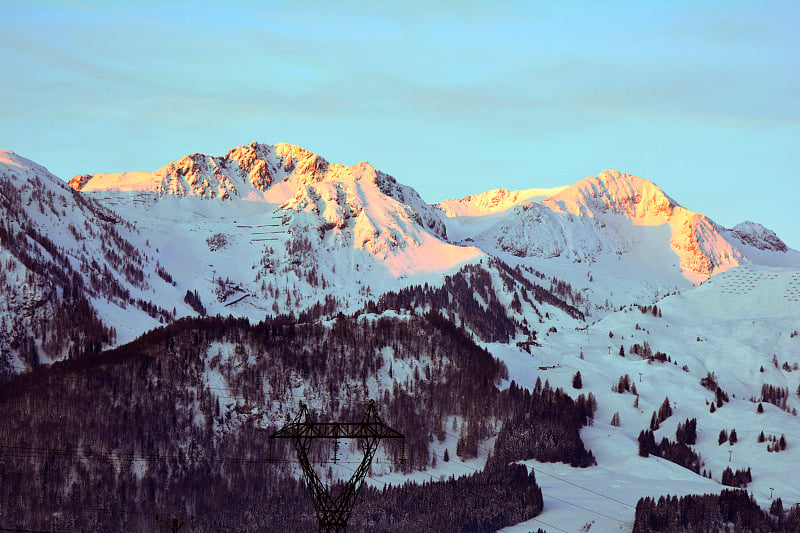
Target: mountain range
[{"x": 608, "y": 278}]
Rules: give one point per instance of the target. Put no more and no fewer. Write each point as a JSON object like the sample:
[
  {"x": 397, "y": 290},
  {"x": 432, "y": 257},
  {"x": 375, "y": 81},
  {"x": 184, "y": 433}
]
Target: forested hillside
[{"x": 177, "y": 422}]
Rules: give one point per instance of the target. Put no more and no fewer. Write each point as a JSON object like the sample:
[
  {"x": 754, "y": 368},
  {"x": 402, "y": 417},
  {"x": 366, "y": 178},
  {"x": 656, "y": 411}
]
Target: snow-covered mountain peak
[
  {"x": 610, "y": 214},
  {"x": 493, "y": 201},
  {"x": 757, "y": 236},
  {"x": 334, "y": 206},
  {"x": 17, "y": 163},
  {"x": 244, "y": 169},
  {"x": 248, "y": 171},
  {"x": 612, "y": 191},
  {"x": 367, "y": 209},
  {"x": 9, "y": 158}
]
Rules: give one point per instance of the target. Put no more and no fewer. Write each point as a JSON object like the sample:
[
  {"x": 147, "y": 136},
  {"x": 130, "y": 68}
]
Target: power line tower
[{"x": 333, "y": 512}]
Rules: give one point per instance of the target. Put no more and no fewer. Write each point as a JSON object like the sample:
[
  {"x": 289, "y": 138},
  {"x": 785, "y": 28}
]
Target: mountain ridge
[
  {"x": 702, "y": 246},
  {"x": 341, "y": 283}
]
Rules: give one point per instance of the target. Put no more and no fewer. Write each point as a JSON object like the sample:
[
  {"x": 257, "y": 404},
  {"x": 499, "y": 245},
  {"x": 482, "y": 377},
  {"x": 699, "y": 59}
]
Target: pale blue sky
[{"x": 701, "y": 97}]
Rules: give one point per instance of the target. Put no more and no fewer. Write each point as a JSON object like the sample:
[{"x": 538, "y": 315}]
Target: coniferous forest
[
  {"x": 105, "y": 441},
  {"x": 731, "y": 510}
]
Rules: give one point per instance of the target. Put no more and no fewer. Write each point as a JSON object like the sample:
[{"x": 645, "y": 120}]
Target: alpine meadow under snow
[{"x": 153, "y": 326}]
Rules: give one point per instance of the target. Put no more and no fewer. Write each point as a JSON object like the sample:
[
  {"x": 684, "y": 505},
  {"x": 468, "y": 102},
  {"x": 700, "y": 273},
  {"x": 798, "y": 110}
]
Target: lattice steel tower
[{"x": 333, "y": 512}]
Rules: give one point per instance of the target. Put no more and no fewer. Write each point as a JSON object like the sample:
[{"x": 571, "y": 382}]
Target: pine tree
[
  {"x": 446, "y": 457},
  {"x": 687, "y": 432},
  {"x": 723, "y": 436},
  {"x": 647, "y": 443},
  {"x": 665, "y": 411},
  {"x": 776, "y": 509},
  {"x": 615, "y": 419},
  {"x": 577, "y": 382},
  {"x": 727, "y": 477},
  {"x": 733, "y": 438}
]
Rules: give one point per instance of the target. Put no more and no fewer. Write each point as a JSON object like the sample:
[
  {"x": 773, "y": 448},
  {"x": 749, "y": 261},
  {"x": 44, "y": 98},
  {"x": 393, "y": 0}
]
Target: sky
[{"x": 451, "y": 98}]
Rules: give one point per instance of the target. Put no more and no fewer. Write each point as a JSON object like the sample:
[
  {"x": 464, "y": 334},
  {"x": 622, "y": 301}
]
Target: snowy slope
[
  {"x": 732, "y": 325},
  {"x": 617, "y": 214},
  {"x": 243, "y": 171},
  {"x": 347, "y": 206},
  {"x": 493, "y": 201},
  {"x": 270, "y": 229},
  {"x": 70, "y": 271},
  {"x": 276, "y": 228}
]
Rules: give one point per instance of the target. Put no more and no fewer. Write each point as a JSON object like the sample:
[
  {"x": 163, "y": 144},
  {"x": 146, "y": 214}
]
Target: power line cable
[
  {"x": 549, "y": 525},
  {"x": 587, "y": 509},
  {"x": 562, "y": 479},
  {"x": 61, "y": 453},
  {"x": 565, "y": 501},
  {"x": 584, "y": 488},
  {"x": 50, "y": 453}
]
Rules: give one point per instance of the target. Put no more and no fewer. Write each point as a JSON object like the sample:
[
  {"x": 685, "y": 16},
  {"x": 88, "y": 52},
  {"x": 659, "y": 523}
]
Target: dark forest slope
[{"x": 110, "y": 439}]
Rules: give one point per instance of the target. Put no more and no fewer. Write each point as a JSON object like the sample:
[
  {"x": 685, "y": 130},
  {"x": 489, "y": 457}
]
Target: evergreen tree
[
  {"x": 654, "y": 422},
  {"x": 647, "y": 443},
  {"x": 577, "y": 382},
  {"x": 723, "y": 436},
  {"x": 665, "y": 411},
  {"x": 776, "y": 509},
  {"x": 687, "y": 432}
]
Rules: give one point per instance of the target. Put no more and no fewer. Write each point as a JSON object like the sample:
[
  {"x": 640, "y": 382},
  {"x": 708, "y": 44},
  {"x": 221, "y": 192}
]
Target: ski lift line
[
  {"x": 549, "y": 525},
  {"x": 73, "y": 508},
  {"x": 321, "y": 396},
  {"x": 584, "y": 488},
  {"x": 98, "y": 455},
  {"x": 48, "y": 453},
  {"x": 267, "y": 400},
  {"x": 629, "y": 524},
  {"x": 539, "y": 470},
  {"x": 371, "y": 477}
]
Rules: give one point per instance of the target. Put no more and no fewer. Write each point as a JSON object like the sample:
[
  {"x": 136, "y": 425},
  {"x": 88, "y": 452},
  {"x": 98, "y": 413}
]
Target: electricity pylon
[{"x": 333, "y": 513}]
